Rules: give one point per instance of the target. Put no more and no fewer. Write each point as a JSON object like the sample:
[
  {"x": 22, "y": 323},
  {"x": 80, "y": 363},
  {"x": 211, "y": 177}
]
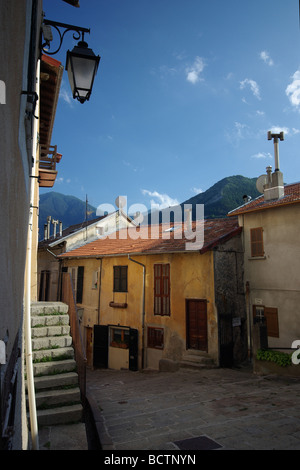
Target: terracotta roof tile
[
  {"x": 158, "y": 239},
  {"x": 291, "y": 196}
]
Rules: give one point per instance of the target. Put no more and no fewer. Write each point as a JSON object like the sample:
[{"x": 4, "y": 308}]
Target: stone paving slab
[{"x": 152, "y": 410}]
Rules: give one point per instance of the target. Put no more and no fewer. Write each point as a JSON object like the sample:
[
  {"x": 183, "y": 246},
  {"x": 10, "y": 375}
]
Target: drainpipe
[
  {"x": 100, "y": 274},
  {"x": 27, "y": 299},
  {"x": 143, "y": 313},
  {"x": 249, "y": 320}
]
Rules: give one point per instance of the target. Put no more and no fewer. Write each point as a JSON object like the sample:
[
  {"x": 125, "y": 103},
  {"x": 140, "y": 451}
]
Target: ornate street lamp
[{"x": 82, "y": 64}]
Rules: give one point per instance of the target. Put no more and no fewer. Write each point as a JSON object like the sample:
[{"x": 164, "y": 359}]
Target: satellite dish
[
  {"x": 121, "y": 201},
  {"x": 260, "y": 182}
]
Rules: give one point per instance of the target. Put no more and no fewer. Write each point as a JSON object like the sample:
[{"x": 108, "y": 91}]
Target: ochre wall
[{"x": 191, "y": 277}]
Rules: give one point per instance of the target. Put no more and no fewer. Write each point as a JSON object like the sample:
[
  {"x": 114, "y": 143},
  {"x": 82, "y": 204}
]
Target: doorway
[
  {"x": 89, "y": 345},
  {"x": 196, "y": 322},
  {"x": 115, "y": 347}
]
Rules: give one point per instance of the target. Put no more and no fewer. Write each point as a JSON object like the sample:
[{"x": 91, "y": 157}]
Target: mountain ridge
[{"x": 218, "y": 200}]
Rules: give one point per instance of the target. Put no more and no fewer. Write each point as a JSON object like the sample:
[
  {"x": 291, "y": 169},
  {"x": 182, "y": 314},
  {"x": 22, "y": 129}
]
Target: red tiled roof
[
  {"x": 139, "y": 240},
  {"x": 291, "y": 196}
]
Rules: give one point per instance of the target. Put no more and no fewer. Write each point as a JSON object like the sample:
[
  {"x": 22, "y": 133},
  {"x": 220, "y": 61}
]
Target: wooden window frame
[
  {"x": 120, "y": 279},
  {"x": 119, "y": 337},
  {"x": 162, "y": 289},
  {"x": 155, "y": 337},
  {"x": 257, "y": 242}
]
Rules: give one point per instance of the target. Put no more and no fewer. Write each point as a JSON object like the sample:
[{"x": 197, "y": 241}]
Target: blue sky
[{"x": 185, "y": 93}]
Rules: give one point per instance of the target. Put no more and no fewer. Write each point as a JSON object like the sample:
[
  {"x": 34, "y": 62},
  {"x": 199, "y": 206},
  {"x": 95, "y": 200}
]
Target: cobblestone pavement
[{"x": 233, "y": 409}]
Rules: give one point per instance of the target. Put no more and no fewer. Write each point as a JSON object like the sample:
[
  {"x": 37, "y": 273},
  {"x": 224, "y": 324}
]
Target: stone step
[
  {"x": 49, "y": 320},
  {"x": 51, "y": 338},
  {"x": 198, "y": 359},
  {"x": 53, "y": 353},
  {"x": 60, "y": 415},
  {"x": 53, "y": 381},
  {"x": 54, "y": 367},
  {"x": 48, "y": 308},
  {"x": 51, "y": 398},
  {"x": 49, "y": 342},
  {"x": 196, "y": 365},
  {"x": 56, "y": 330},
  {"x": 194, "y": 359}
]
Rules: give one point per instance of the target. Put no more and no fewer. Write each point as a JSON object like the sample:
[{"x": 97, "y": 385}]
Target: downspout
[
  {"x": 143, "y": 313},
  {"x": 27, "y": 302},
  {"x": 100, "y": 275},
  {"x": 248, "y": 307}
]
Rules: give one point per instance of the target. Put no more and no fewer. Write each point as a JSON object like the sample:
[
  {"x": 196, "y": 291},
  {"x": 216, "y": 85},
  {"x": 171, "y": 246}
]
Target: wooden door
[
  {"x": 196, "y": 324},
  {"x": 100, "y": 349}
]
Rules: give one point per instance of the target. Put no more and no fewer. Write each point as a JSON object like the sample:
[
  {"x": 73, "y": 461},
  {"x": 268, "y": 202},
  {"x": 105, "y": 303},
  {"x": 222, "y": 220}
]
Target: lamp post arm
[{"x": 78, "y": 31}]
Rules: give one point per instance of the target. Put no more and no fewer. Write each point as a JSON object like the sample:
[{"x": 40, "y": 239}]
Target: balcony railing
[{"x": 47, "y": 165}]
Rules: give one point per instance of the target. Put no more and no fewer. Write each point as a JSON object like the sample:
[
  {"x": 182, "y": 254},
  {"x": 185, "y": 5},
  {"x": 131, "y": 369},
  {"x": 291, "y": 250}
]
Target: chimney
[
  {"x": 274, "y": 189},
  {"x": 55, "y": 222},
  {"x": 45, "y": 232},
  {"x": 48, "y": 226}
]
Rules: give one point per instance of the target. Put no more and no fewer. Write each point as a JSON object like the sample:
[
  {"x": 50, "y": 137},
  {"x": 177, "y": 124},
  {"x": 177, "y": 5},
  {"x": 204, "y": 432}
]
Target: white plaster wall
[{"x": 274, "y": 279}]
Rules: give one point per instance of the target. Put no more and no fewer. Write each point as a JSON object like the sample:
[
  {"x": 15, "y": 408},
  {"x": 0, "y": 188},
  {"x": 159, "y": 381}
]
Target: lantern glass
[{"x": 82, "y": 65}]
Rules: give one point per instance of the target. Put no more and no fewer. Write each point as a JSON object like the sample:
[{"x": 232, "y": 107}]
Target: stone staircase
[
  {"x": 55, "y": 378},
  {"x": 194, "y": 359}
]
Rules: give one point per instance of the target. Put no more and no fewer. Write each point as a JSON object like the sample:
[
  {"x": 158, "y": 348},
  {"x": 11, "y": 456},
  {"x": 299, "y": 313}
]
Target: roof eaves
[
  {"x": 232, "y": 212},
  {"x": 131, "y": 253}
]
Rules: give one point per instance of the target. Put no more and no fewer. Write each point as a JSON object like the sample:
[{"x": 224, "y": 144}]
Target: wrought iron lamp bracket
[{"x": 78, "y": 31}]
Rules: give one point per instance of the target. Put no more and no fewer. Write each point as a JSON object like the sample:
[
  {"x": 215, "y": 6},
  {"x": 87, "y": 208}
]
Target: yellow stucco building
[{"x": 143, "y": 300}]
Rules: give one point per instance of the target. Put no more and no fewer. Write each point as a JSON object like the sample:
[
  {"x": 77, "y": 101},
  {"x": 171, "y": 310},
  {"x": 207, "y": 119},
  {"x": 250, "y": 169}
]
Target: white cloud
[
  {"x": 197, "y": 190},
  {"x": 238, "y": 133},
  {"x": 293, "y": 89},
  {"x": 129, "y": 165},
  {"x": 66, "y": 95},
  {"x": 262, "y": 155},
  {"x": 160, "y": 201},
  {"x": 253, "y": 86},
  {"x": 278, "y": 129},
  {"x": 264, "y": 55},
  {"x": 193, "y": 73}
]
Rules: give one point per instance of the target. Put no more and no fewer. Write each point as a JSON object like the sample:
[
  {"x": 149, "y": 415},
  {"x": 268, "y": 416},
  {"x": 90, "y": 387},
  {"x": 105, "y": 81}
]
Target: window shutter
[
  {"x": 257, "y": 244},
  {"x": 162, "y": 289},
  {"x": 79, "y": 284},
  {"x": 155, "y": 338},
  {"x": 116, "y": 278},
  {"x": 271, "y": 315}
]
